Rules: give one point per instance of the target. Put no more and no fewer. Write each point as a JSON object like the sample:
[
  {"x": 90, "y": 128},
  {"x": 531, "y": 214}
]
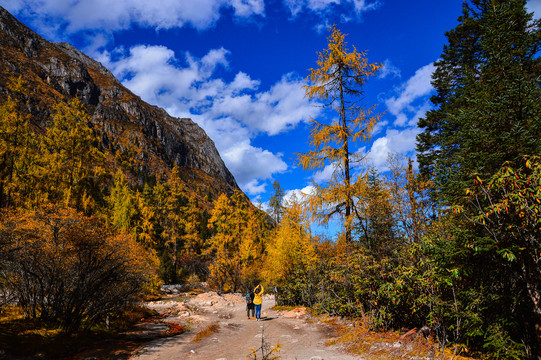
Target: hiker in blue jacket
[{"x": 250, "y": 307}]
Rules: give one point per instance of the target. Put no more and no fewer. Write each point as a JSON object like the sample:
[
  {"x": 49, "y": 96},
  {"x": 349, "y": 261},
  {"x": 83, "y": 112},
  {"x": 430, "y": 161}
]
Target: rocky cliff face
[{"x": 141, "y": 138}]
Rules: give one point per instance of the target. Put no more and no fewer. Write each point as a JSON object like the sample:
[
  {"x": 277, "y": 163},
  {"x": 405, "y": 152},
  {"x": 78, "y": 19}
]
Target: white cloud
[
  {"x": 251, "y": 165},
  {"x": 247, "y": 8},
  {"x": 401, "y": 119},
  {"x": 379, "y": 127},
  {"x": 323, "y": 7},
  {"x": 298, "y": 194},
  {"x": 415, "y": 89},
  {"x": 155, "y": 74},
  {"x": 296, "y": 6},
  {"x": 394, "y": 141},
  {"x": 274, "y": 111},
  {"x": 416, "y": 86},
  {"x": 389, "y": 69},
  {"x": 535, "y": 7},
  {"x": 241, "y": 82},
  {"x": 230, "y": 112},
  {"x": 324, "y": 174},
  {"x": 419, "y": 113},
  {"x": 54, "y": 16}
]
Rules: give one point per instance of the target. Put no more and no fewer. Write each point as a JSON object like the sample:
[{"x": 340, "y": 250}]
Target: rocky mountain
[{"x": 140, "y": 138}]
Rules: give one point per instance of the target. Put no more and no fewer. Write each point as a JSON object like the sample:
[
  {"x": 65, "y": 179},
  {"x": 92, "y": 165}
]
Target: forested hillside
[
  {"x": 98, "y": 189},
  {"x": 104, "y": 197}
]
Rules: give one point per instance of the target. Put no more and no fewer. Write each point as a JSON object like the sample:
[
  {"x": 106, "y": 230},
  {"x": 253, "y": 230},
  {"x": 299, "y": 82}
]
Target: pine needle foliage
[
  {"x": 338, "y": 82},
  {"x": 486, "y": 119}
]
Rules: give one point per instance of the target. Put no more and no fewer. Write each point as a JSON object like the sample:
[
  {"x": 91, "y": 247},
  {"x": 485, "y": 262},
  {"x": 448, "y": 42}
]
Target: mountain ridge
[{"x": 141, "y": 138}]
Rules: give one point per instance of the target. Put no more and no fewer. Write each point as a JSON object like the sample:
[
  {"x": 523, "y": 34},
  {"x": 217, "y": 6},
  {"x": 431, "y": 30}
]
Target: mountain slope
[{"x": 140, "y": 138}]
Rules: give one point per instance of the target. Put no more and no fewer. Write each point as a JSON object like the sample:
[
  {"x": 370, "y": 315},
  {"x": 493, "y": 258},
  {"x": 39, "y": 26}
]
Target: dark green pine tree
[
  {"x": 486, "y": 111},
  {"x": 275, "y": 202},
  {"x": 487, "y": 108},
  {"x": 377, "y": 228}
]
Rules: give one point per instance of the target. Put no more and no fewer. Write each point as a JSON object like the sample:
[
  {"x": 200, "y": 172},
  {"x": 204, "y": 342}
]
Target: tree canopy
[{"x": 338, "y": 83}]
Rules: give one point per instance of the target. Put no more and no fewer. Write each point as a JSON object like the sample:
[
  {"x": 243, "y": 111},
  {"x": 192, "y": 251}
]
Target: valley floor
[{"x": 300, "y": 336}]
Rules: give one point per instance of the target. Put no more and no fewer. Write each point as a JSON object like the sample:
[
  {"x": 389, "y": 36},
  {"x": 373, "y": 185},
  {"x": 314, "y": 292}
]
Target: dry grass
[
  {"x": 27, "y": 338},
  {"x": 283, "y": 307},
  {"x": 358, "y": 339},
  {"x": 174, "y": 329},
  {"x": 209, "y": 330}
]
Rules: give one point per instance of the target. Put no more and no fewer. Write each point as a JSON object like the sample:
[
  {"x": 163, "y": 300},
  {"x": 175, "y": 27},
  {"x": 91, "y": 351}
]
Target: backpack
[{"x": 248, "y": 298}]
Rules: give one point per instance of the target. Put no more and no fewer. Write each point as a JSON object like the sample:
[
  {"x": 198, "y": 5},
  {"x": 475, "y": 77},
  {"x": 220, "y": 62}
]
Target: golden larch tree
[
  {"x": 224, "y": 245},
  {"x": 193, "y": 243},
  {"x": 237, "y": 244},
  {"x": 174, "y": 221},
  {"x": 338, "y": 83},
  {"x": 18, "y": 148},
  {"x": 291, "y": 248},
  {"x": 72, "y": 154}
]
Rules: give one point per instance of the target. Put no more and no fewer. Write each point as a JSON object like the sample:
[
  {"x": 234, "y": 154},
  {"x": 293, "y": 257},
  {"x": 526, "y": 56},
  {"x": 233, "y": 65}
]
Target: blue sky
[{"x": 237, "y": 67}]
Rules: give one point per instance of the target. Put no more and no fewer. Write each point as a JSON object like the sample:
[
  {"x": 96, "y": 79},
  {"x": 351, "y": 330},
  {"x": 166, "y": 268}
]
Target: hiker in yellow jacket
[{"x": 258, "y": 300}]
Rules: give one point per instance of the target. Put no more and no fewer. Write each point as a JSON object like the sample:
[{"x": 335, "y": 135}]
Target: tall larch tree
[
  {"x": 377, "y": 229},
  {"x": 122, "y": 203},
  {"x": 72, "y": 154},
  {"x": 410, "y": 198},
  {"x": 291, "y": 249},
  {"x": 338, "y": 82},
  {"x": 174, "y": 221},
  {"x": 238, "y": 240},
  {"x": 486, "y": 113},
  {"x": 224, "y": 245},
  {"x": 18, "y": 147},
  {"x": 193, "y": 242}
]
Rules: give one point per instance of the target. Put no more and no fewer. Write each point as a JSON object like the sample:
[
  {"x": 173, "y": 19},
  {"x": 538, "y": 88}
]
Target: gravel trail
[{"x": 300, "y": 337}]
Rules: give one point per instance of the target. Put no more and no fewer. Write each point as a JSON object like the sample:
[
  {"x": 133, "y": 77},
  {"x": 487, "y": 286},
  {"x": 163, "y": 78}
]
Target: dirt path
[{"x": 300, "y": 337}]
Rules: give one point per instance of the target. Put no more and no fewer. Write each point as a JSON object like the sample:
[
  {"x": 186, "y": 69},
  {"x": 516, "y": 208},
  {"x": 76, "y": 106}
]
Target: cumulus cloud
[
  {"x": 155, "y": 74},
  {"x": 231, "y": 113},
  {"x": 394, "y": 141},
  {"x": 251, "y": 165},
  {"x": 416, "y": 89},
  {"x": 416, "y": 86},
  {"x": 54, "y": 16},
  {"x": 380, "y": 126},
  {"x": 298, "y": 194},
  {"x": 279, "y": 109},
  {"x": 410, "y": 102},
  {"x": 324, "y": 174}
]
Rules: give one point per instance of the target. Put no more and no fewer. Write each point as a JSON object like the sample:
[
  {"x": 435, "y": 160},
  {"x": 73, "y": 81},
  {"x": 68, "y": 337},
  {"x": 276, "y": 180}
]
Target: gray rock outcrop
[{"x": 127, "y": 124}]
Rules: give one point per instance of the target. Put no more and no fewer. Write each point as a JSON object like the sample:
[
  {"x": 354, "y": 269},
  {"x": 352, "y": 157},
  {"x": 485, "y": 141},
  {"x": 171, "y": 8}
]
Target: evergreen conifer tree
[
  {"x": 487, "y": 103},
  {"x": 487, "y": 112}
]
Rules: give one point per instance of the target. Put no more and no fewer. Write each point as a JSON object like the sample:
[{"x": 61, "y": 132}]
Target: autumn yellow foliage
[
  {"x": 291, "y": 248},
  {"x": 68, "y": 269},
  {"x": 338, "y": 83},
  {"x": 237, "y": 246}
]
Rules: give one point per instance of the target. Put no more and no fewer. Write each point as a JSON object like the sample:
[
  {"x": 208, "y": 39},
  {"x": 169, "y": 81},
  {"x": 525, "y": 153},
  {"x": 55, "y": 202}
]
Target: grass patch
[{"x": 209, "y": 330}]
